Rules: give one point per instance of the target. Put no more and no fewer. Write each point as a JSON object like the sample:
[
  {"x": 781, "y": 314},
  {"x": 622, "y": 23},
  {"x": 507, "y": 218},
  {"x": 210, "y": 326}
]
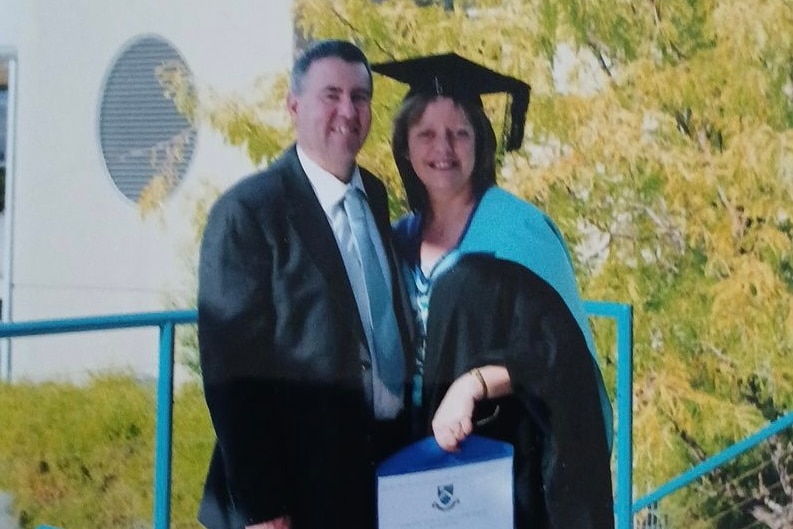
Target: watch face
[{"x": 141, "y": 131}]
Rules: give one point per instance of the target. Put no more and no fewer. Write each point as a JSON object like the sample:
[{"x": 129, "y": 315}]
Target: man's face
[{"x": 332, "y": 113}]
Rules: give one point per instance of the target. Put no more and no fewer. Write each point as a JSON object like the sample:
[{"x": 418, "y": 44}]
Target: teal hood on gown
[{"x": 514, "y": 230}]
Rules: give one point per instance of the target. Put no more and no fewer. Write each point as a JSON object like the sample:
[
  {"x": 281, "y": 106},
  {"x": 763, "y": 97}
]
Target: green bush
[{"x": 83, "y": 456}]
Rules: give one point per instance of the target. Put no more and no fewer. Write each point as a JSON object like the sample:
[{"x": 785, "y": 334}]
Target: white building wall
[{"x": 80, "y": 248}]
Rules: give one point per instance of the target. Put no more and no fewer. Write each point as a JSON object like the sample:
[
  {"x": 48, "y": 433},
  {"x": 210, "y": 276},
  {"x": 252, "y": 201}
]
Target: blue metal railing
[
  {"x": 624, "y": 508},
  {"x": 713, "y": 462},
  {"x": 167, "y": 322},
  {"x": 623, "y": 493}
]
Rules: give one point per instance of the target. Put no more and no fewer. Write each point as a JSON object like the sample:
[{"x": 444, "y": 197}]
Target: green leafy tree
[{"x": 660, "y": 138}]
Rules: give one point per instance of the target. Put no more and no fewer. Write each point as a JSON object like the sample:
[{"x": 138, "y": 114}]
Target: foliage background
[{"x": 660, "y": 138}]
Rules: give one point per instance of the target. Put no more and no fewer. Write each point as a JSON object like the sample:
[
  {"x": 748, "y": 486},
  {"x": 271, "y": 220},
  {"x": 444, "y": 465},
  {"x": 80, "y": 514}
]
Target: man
[{"x": 303, "y": 403}]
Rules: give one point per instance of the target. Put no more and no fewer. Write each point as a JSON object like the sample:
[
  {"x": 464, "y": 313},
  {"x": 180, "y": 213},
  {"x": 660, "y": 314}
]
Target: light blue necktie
[{"x": 385, "y": 335}]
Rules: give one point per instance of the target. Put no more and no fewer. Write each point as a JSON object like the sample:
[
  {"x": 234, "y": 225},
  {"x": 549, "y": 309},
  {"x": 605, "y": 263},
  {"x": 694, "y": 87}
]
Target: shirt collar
[{"x": 329, "y": 189}]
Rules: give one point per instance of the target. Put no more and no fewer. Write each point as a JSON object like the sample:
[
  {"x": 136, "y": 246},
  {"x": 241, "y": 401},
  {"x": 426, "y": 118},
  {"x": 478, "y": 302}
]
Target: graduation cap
[{"x": 457, "y": 77}]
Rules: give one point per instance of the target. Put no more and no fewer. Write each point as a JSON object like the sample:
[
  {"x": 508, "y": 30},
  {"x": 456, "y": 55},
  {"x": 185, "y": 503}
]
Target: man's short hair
[{"x": 322, "y": 49}]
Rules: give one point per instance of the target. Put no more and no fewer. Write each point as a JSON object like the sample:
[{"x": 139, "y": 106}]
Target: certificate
[{"x": 422, "y": 486}]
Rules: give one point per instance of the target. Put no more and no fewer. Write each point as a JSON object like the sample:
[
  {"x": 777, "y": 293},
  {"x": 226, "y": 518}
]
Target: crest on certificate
[{"x": 446, "y": 500}]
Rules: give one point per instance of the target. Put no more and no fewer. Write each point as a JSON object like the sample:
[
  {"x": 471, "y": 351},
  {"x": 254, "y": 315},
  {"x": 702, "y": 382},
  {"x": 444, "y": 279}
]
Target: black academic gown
[{"x": 489, "y": 311}]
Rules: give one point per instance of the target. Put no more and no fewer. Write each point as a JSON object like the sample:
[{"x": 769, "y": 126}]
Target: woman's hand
[
  {"x": 284, "y": 522},
  {"x": 452, "y": 422}
]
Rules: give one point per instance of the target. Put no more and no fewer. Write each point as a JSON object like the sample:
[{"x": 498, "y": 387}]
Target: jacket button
[{"x": 366, "y": 365}]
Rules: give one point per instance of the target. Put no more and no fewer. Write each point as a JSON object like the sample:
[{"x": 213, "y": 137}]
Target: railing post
[
  {"x": 624, "y": 494},
  {"x": 163, "y": 449}
]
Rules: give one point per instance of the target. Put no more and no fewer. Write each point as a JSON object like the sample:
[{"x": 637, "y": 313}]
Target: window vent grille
[{"x": 142, "y": 133}]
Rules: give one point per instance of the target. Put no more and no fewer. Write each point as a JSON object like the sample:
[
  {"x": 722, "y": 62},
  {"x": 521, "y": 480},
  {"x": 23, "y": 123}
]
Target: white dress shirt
[{"x": 330, "y": 192}]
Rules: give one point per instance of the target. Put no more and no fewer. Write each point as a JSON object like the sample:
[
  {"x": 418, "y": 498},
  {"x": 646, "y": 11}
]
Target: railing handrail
[
  {"x": 97, "y": 323},
  {"x": 713, "y": 462}
]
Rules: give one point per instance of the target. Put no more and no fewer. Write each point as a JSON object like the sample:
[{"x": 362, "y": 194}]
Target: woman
[{"x": 503, "y": 348}]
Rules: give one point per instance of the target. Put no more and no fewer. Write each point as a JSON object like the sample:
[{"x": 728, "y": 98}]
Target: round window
[{"x": 143, "y": 136}]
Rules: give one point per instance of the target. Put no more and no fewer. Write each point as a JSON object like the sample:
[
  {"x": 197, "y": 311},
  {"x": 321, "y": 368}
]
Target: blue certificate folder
[{"x": 422, "y": 486}]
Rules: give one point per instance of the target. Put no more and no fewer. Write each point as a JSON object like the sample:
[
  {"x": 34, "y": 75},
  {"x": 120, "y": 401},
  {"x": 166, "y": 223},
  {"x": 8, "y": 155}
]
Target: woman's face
[{"x": 441, "y": 148}]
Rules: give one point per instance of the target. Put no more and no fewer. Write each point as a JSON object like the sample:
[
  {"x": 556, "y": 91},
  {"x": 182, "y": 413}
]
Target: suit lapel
[{"x": 311, "y": 224}]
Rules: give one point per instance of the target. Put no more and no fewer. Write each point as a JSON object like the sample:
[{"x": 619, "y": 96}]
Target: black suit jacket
[{"x": 286, "y": 370}]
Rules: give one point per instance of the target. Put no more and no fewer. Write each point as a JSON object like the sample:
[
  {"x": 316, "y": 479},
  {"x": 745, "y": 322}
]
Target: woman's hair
[{"x": 484, "y": 174}]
